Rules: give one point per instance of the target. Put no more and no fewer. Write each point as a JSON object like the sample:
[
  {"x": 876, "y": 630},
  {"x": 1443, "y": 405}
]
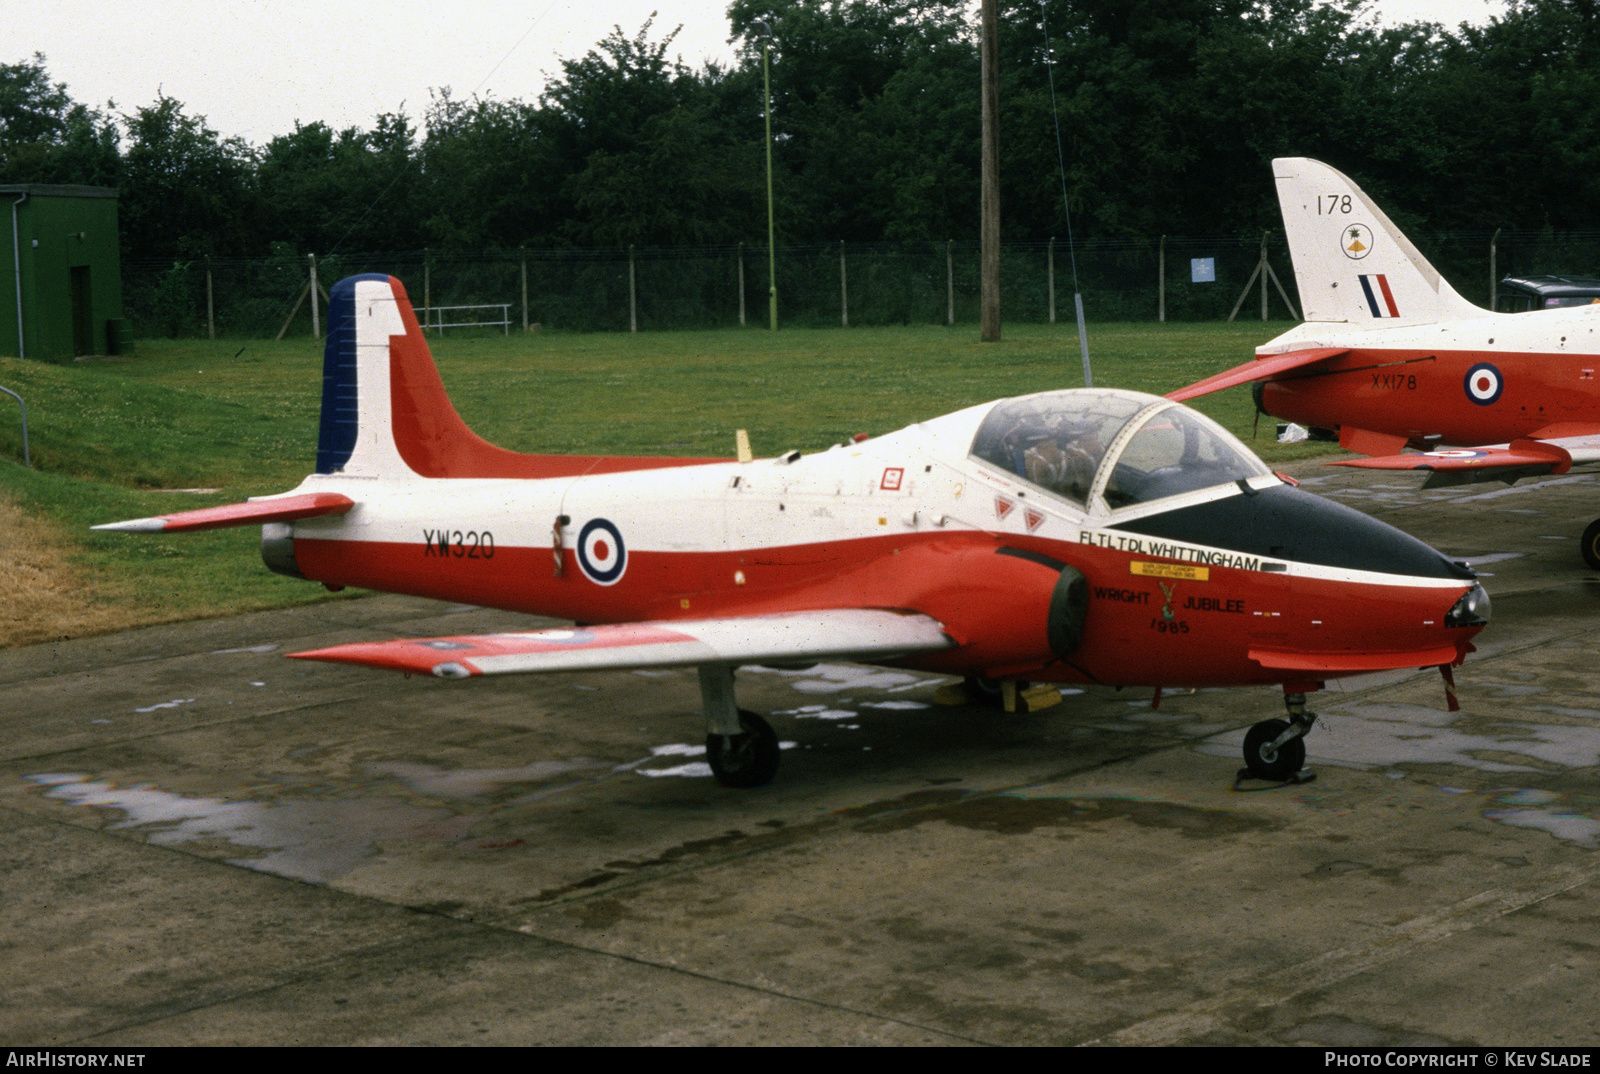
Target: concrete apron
[{"x": 205, "y": 843}]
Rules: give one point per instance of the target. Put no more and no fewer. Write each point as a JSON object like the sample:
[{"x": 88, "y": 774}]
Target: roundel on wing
[
  {"x": 1484, "y": 384},
  {"x": 601, "y": 553}
]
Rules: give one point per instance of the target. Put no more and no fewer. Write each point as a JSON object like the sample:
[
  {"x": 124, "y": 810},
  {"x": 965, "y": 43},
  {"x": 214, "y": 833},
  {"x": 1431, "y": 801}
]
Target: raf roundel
[
  {"x": 1484, "y": 384},
  {"x": 601, "y": 553}
]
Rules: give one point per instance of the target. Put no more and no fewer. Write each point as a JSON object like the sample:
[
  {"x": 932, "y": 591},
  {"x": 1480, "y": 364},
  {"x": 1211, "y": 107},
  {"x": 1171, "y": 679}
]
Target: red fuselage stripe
[{"x": 1139, "y": 630}]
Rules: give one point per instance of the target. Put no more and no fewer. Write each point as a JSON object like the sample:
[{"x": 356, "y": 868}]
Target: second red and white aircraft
[{"x": 1392, "y": 357}]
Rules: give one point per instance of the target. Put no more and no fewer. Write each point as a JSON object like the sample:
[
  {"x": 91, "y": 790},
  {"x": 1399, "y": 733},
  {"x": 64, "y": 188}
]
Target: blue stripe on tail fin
[{"x": 336, "y": 438}]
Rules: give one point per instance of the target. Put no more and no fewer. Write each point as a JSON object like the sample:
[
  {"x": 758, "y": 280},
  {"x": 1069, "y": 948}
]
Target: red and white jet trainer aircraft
[
  {"x": 1391, "y": 356},
  {"x": 1089, "y": 536}
]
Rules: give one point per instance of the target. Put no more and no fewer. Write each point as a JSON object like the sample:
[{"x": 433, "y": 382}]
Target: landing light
[{"x": 1471, "y": 610}]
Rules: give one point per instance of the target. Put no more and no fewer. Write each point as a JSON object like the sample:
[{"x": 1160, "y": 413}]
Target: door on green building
[{"x": 82, "y": 312}]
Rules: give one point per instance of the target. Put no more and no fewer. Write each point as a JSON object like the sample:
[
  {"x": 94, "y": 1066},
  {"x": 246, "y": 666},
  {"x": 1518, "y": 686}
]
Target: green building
[{"x": 60, "y": 272}]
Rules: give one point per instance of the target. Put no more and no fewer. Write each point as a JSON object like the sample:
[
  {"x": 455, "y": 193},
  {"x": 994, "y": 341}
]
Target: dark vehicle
[{"x": 1520, "y": 294}]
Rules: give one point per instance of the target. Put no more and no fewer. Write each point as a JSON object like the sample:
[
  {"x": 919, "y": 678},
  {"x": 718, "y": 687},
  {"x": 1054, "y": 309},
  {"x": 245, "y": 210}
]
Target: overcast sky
[{"x": 254, "y": 67}]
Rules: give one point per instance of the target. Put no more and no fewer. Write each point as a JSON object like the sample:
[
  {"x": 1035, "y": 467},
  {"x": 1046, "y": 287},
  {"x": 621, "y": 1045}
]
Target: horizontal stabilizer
[
  {"x": 1353, "y": 663},
  {"x": 843, "y": 633},
  {"x": 254, "y": 513},
  {"x": 1256, "y": 369}
]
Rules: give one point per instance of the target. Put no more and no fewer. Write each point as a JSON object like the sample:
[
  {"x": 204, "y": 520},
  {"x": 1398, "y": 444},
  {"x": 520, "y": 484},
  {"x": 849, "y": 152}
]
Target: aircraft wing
[
  {"x": 1256, "y": 369},
  {"x": 840, "y": 633},
  {"x": 255, "y": 512},
  {"x": 1499, "y": 462}
]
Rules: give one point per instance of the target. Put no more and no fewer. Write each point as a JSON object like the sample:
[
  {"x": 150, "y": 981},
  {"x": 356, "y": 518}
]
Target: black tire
[
  {"x": 1266, "y": 763},
  {"x": 1590, "y": 545},
  {"x": 745, "y": 760}
]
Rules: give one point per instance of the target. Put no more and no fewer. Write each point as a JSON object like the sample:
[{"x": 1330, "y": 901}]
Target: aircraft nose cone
[{"x": 1283, "y": 522}]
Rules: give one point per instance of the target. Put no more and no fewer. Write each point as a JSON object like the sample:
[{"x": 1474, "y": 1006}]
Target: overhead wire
[
  {"x": 401, "y": 172},
  {"x": 1061, "y": 166}
]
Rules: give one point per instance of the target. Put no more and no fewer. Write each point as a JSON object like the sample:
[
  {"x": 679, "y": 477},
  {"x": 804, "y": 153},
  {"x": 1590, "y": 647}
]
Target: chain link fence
[{"x": 832, "y": 284}]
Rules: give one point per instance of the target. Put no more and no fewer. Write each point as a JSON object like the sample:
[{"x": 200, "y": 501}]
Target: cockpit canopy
[{"x": 1126, "y": 447}]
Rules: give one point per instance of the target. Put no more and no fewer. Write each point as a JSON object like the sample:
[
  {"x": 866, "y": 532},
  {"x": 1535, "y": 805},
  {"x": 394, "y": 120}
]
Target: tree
[
  {"x": 353, "y": 190},
  {"x": 47, "y": 137},
  {"x": 185, "y": 191}
]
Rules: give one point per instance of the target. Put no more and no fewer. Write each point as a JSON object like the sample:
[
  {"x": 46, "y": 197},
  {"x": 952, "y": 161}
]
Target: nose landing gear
[
  {"x": 1590, "y": 545},
  {"x": 1275, "y": 750}
]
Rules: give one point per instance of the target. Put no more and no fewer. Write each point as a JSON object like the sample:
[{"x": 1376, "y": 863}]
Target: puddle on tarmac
[
  {"x": 835, "y": 678},
  {"x": 1379, "y": 735},
  {"x": 314, "y": 840},
  {"x": 1569, "y": 827},
  {"x": 1017, "y": 814},
  {"x": 691, "y": 770},
  {"x": 817, "y": 712},
  {"x": 174, "y": 703},
  {"x": 475, "y": 782}
]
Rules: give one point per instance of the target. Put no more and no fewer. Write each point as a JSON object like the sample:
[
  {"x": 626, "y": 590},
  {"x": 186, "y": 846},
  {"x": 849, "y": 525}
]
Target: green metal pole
[{"x": 772, "y": 252}]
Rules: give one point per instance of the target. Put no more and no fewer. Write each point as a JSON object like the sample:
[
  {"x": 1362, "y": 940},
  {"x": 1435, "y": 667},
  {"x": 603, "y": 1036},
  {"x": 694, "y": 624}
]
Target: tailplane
[{"x": 1350, "y": 261}]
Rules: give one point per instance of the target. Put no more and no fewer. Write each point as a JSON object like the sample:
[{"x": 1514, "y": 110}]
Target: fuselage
[
  {"x": 1222, "y": 585},
  {"x": 1483, "y": 380}
]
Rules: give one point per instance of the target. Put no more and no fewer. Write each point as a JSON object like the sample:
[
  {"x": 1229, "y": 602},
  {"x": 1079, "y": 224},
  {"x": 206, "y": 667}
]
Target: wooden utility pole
[{"x": 989, "y": 270}]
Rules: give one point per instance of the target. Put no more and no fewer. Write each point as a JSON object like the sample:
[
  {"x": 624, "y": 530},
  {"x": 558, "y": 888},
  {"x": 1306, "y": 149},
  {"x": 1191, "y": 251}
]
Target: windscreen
[
  {"x": 1055, "y": 439},
  {"x": 1175, "y": 451}
]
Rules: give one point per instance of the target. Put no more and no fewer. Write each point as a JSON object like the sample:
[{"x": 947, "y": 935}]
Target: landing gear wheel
[
  {"x": 744, "y": 760},
  {"x": 1273, "y": 765},
  {"x": 1590, "y": 545},
  {"x": 986, "y": 693}
]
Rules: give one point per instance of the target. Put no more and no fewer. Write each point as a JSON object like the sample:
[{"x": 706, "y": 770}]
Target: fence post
[
  {"x": 427, "y": 290},
  {"x": 1263, "y": 275},
  {"x": 741, "y": 285},
  {"x": 1161, "y": 285},
  {"x": 844, "y": 292},
  {"x": 211, "y": 315},
  {"x": 633, "y": 304},
  {"x": 524, "y": 290},
  {"x": 1494, "y": 277},
  {"x": 949, "y": 283},
  {"x": 1052, "y": 274},
  {"x": 316, "y": 320}
]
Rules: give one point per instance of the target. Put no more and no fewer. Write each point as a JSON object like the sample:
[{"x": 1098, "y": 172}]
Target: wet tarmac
[{"x": 205, "y": 843}]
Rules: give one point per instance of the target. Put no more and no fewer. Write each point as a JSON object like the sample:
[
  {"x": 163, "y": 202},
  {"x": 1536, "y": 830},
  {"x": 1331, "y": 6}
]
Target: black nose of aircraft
[{"x": 1283, "y": 522}]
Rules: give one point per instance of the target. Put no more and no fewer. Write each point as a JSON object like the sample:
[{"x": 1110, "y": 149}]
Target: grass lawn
[{"x": 108, "y": 437}]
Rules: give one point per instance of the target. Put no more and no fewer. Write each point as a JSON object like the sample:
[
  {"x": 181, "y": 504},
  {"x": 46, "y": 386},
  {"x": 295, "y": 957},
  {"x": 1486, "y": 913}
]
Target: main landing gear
[
  {"x": 1009, "y": 695},
  {"x": 1275, "y": 750},
  {"x": 1590, "y": 545},
  {"x": 741, "y": 748}
]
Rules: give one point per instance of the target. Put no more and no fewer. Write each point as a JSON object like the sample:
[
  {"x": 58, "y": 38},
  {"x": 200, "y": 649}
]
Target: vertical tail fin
[
  {"x": 384, "y": 409},
  {"x": 1350, "y": 261},
  {"x": 385, "y": 412}
]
